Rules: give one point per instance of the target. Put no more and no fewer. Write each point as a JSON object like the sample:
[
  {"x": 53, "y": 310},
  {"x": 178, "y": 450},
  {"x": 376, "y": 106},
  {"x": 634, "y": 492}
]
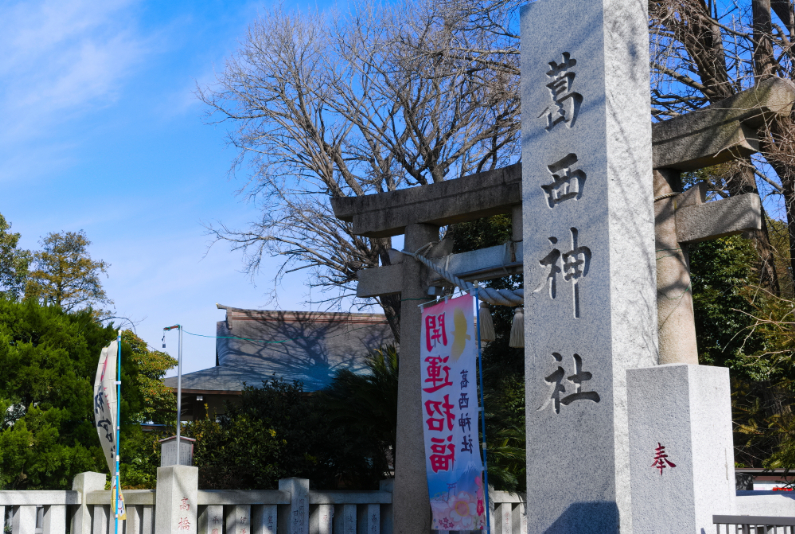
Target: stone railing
[
  {"x": 293, "y": 509},
  {"x": 29, "y": 509}
]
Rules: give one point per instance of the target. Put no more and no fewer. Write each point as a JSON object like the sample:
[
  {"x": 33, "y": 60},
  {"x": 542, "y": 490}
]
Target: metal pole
[
  {"x": 118, "y": 427},
  {"x": 179, "y": 394},
  {"x": 483, "y": 416}
]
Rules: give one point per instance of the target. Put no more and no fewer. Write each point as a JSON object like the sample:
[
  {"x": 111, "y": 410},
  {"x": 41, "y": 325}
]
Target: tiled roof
[{"x": 305, "y": 346}]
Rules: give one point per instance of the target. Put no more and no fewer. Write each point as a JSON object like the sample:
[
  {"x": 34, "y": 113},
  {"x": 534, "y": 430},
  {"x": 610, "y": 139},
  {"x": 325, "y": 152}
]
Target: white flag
[{"x": 105, "y": 410}]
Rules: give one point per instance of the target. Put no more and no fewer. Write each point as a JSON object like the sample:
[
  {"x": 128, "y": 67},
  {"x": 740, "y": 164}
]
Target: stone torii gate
[{"x": 719, "y": 133}]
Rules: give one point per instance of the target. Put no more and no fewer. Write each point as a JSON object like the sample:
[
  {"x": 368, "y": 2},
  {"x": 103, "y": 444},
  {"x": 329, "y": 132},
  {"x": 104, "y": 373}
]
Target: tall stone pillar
[
  {"x": 411, "y": 503},
  {"x": 677, "y": 331},
  {"x": 589, "y": 261}
]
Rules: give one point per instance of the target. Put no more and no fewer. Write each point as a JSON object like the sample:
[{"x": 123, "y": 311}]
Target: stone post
[
  {"x": 23, "y": 520},
  {"x": 322, "y": 519},
  {"x": 177, "y": 499},
  {"x": 681, "y": 449},
  {"x": 411, "y": 504},
  {"x": 676, "y": 324},
  {"x": 294, "y": 518},
  {"x": 589, "y": 261},
  {"x": 263, "y": 519},
  {"x": 238, "y": 519},
  {"x": 387, "y": 515},
  {"x": 54, "y": 519},
  {"x": 211, "y": 520},
  {"x": 85, "y": 483},
  {"x": 369, "y": 519},
  {"x": 345, "y": 518}
]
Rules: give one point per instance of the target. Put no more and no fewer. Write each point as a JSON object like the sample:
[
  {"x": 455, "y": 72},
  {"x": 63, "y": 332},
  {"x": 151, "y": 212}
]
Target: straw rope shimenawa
[{"x": 513, "y": 298}]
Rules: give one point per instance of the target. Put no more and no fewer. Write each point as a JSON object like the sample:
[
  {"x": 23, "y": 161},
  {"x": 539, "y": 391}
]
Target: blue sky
[{"x": 100, "y": 131}]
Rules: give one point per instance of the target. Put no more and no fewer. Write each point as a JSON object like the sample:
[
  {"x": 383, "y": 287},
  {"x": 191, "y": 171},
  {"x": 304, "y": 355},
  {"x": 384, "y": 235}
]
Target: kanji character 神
[
  {"x": 464, "y": 422},
  {"x": 572, "y": 264}
]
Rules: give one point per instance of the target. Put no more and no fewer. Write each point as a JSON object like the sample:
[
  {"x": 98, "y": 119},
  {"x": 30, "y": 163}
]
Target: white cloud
[{"x": 60, "y": 57}]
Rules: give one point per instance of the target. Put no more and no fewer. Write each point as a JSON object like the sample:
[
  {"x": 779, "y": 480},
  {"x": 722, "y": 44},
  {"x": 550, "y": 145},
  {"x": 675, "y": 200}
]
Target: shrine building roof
[{"x": 255, "y": 345}]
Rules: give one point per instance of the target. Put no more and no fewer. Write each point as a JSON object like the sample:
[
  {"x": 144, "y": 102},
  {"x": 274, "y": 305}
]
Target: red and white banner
[{"x": 450, "y": 414}]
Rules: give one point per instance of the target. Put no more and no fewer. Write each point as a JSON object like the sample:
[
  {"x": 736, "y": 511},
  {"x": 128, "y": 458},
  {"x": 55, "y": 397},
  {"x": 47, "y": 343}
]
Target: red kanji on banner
[
  {"x": 444, "y": 409},
  {"x": 435, "y": 371},
  {"x": 439, "y": 460},
  {"x": 435, "y": 331}
]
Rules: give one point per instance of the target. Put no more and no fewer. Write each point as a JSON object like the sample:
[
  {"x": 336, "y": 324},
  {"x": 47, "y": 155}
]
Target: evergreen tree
[
  {"x": 64, "y": 273},
  {"x": 48, "y": 362},
  {"x": 14, "y": 262}
]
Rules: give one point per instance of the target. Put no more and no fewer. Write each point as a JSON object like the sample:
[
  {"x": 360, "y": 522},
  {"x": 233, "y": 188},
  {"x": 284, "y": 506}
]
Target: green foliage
[
  {"x": 140, "y": 451},
  {"x": 503, "y": 366},
  {"x": 749, "y": 330},
  {"x": 481, "y": 233},
  {"x": 159, "y": 401},
  {"x": 278, "y": 431},
  {"x": 64, "y": 273},
  {"x": 721, "y": 273},
  {"x": 48, "y": 361},
  {"x": 14, "y": 262},
  {"x": 140, "y": 457},
  {"x": 366, "y": 404}
]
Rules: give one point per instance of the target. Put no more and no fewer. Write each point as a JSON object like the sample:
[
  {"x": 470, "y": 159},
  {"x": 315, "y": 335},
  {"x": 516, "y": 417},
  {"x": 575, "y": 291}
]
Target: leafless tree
[
  {"x": 702, "y": 51},
  {"x": 347, "y": 105}
]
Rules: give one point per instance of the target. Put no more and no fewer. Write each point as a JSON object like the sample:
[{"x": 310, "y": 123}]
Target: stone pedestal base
[
  {"x": 177, "y": 499},
  {"x": 681, "y": 452}
]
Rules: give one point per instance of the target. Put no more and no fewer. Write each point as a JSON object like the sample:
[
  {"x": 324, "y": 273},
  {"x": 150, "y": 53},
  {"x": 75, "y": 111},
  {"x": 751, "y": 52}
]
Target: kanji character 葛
[
  {"x": 565, "y": 103},
  {"x": 464, "y": 380}
]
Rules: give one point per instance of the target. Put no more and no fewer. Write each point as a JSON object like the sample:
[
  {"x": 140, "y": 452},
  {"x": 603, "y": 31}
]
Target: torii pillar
[{"x": 410, "y": 501}]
